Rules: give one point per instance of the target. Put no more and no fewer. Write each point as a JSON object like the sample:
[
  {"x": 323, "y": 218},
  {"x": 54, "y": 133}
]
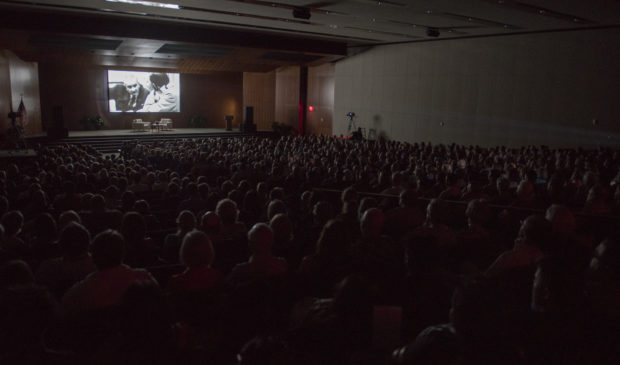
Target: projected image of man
[
  {"x": 137, "y": 94},
  {"x": 163, "y": 97}
]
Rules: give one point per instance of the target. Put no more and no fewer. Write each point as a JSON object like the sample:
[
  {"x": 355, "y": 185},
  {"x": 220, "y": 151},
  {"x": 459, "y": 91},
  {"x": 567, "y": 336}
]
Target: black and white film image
[{"x": 143, "y": 92}]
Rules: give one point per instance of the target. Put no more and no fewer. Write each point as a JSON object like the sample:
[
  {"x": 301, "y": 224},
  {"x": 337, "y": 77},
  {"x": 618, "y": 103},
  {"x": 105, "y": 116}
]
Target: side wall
[
  {"x": 513, "y": 90},
  {"x": 321, "y": 97},
  {"x": 83, "y": 92},
  {"x": 19, "y": 79}
]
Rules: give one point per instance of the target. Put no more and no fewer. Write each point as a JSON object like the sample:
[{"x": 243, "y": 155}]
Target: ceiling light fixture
[{"x": 146, "y": 3}]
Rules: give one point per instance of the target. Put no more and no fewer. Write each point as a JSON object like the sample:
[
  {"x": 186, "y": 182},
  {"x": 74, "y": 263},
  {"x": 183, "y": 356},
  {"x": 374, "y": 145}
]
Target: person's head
[
  {"x": 323, "y": 211},
  {"x": 74, "y": 240},
  {"x": 132, "y": 85},
  {"x": 45, "y": 226},
  {"x": 562, "y": 220},
  {"x": 108, "y": 249},
  {"x": 436, "y": 212},
  {"x": 260, "y": 239},
  {"x": 558, "y": 285},
  {"x": 263, "y": 350},
  {"x": 196, "y": 250},
  {"x": 210, "y": 223},
  {"x": 407, "y": 198},
  {"x": 227, "y": 210},
  {"x": 478, "y": 211},
  {"x": 605, "y": 262},
  {"x": 525, "y": 190},
  {"x": 67, "y": 217},
  {"x": 275, "y": 206},
  {"x": 13, "y": 222},
  {"x": 159, "y": 80},
  {"x": 15, "y": 273},
  {"x": 186, "y": 220},
  {"x": 334, "y": 240},
  {"x": 371, "y": 223},
  {"x": 133, "y": 227},
  {"x": 534, "y": 231},
  {"x": 349, "y": 194},
  {"x": 365, "y": 204},
  {"x": 282, "y": 227}
]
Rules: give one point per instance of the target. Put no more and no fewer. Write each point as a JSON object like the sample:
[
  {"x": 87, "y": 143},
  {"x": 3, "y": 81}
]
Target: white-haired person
[{"x": 197, "y": 255}]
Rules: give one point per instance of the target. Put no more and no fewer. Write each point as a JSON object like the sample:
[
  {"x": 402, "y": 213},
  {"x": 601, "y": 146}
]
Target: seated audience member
[
  {"x": 604, "y": 280},
  {"x": 140, "y": 249},
  {"x": 340, "y": 327},
  {"x": 194, "y": 202},
  {"x": 528, "y": 246},
  {"x": 274, "y": 207},
  {"x": 146, "y": 332},
  {"x": 99, "y": 217},
  {"x": 186, "y": 221},
  {"x": 405, "y": 217},
  {"x": 284, "y": 244},
  {"x": 137, "y": 186},
  {"x": 262, "y": 264},
  {"x": 504, "y": 195},
  {"x": 143, "y": 207},
  {"x": 106, "y": 286},
  {"x": 15, "y": 273},
  {"x": 210, "y": 224},
  {"x": 476, "y": 325},
  {"x": 331, "y": 262},
  {"x": 227, "y": 210},
  {"x": 453, "y": 190},
  {"x": 42, "y": 237},
  {"x": 377, "y": 257},
  {"x": 475, "y": 243},
  {"x": 197, "y": 255},
  {"x": 69, "y": 199},
  {"x": 67, "y": 217},
  {"x": 560, "y": 326},
  {"x": 596, "y": 201},
  {"x": 435, "y": 225},
  {"x": 526, "y": 196},
  {"x": 27, "y": 312},
  {"x": 13, "y": 222},
  {"x": 59, "y": 274}
]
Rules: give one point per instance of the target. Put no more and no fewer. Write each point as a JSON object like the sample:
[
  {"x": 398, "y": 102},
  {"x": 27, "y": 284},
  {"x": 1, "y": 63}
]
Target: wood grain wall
[
  {"x": 83, "y": 92},
  {"x": 287, "y": 95},
  {"x": 321, "y": 97},
  {"x": 259, "y": 91}
]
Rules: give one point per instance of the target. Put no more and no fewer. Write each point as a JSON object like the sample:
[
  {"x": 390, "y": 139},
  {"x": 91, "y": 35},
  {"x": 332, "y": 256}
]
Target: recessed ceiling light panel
[{"x": 146, "y": 3}]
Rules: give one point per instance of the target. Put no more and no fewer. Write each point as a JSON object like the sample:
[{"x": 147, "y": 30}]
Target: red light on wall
[{"x": 310, "y": 108}]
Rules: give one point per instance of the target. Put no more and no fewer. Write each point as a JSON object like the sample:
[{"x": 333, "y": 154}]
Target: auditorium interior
[{"x": 292, "y": 182}]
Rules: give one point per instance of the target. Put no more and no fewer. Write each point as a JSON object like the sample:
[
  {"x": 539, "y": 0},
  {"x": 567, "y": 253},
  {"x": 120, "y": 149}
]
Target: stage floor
[{"x": 130, "y": 132}]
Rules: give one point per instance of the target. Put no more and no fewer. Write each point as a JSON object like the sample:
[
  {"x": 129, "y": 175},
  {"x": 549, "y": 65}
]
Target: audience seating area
[{"x": 310, "y": 250}]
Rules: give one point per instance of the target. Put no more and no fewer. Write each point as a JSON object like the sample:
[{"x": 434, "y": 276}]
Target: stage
[{"x": 110, "y": 140}]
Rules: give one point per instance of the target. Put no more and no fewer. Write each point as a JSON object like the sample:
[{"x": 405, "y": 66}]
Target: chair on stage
[
  {"x": 139, "y": 126},
  {"x": 166, "y": 123}
]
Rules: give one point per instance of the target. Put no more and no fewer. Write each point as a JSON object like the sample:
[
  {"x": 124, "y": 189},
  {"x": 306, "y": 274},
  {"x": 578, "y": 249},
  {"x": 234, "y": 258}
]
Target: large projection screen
[{"x": 143, "y": 92}]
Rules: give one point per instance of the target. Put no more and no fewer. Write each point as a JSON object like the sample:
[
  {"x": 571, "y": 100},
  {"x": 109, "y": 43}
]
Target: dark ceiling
[{"x": 198, "y": 36}]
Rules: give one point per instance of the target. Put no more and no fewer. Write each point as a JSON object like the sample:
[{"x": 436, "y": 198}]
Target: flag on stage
[{"x": 21, "y": 113}]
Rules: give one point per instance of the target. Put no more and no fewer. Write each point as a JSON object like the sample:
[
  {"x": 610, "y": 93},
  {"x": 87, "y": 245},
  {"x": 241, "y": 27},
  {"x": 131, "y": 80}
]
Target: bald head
[
  {"x": 260, "y": 238},
  {"x": 372, "y": 222}
]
